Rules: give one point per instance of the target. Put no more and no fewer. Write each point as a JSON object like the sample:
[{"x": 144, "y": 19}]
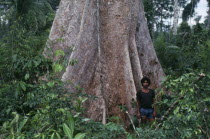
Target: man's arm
[
  {"x": 154, "y": 112},
  {"x": 138, "y": 105},
  {"x": 138, "y": 109},
  {"x": 154, "y": 107}
]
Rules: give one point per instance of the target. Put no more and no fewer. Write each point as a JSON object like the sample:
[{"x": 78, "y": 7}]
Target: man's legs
[
  {"x": 150, "y": 115},
  {"x": 143, "y": 119},
  {"x": 146, "y": 114}
]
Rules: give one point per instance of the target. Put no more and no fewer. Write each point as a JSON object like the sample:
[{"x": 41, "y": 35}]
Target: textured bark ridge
[{"x": 113, "y": 49}]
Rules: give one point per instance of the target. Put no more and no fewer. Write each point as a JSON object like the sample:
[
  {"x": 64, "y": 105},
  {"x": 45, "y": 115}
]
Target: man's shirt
[{"x": 146, "y": 99}]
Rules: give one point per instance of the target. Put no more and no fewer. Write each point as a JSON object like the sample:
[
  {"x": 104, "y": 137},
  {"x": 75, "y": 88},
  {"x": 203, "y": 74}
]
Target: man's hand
[
  {"x": 138, "y": 116},
  {"x": 154, "y": 114}
]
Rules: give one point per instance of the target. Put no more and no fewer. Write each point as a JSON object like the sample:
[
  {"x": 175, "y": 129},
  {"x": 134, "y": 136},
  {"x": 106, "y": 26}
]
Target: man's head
[{"x": 145, "y": 82}]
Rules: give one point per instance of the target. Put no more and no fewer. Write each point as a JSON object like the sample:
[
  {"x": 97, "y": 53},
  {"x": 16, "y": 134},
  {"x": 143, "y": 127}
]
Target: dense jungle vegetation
[{"x": 35, "y": 104}]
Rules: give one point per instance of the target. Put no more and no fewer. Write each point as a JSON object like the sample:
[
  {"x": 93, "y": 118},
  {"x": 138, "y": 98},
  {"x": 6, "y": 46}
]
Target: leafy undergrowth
[
  {"x": 45, "y": 109},
  {"x": 189, "y": 114}
]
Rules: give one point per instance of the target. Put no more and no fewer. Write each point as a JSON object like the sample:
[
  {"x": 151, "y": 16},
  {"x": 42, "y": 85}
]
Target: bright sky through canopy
[{"x": 201, "y": 10}]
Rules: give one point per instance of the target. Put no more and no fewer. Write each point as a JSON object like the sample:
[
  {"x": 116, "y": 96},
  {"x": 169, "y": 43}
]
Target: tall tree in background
[
  {"x": 177, "y": 5},
  {"x": 163, "y": 10},
  {"x": 208, "y": 16},
  {"x": 54, "y": 3},
  {"x": 3, "y": 28},
  {"x": 157, "y": 11},
  {"x": 113, "y": 49},
  {"x": 189, "y": 10},
  {"x": 32, "y": 14},
  {"x": 176, "y": 17},
  {"x": 150, "y": 15}
]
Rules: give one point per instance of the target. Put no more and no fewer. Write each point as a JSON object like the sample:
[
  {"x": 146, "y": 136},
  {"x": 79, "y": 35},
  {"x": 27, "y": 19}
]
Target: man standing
[{"x": 146, "y": 100}]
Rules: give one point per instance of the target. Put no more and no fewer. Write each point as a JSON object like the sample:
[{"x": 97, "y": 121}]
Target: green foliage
[
  {"x": 167, "y": 53},
  {"x": 189, "y": 118},
  {"x": 54, "y": 4},
  {"x": 33, "y": 15},
  {"x": 184, "y": 52},
  {"x": 184, "y": 32},
  {"x": 96, "y": 130},
  {"x": 20, "y": 60}
]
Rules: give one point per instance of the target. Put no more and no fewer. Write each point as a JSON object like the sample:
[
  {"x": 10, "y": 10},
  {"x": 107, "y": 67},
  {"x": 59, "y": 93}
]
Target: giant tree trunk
[{"x": 113, "y": 49}]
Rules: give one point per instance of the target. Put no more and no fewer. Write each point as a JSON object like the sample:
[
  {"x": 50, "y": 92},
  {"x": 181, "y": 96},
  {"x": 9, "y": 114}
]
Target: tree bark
[
  {"x": 208, "y": 24},
  {"x": 113, "y": 49},
  {"x": 176, "y": 17}
]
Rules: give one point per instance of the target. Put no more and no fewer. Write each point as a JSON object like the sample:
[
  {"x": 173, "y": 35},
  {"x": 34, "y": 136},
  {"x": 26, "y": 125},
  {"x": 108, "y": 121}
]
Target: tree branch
[{"x": 132, "y": 123}]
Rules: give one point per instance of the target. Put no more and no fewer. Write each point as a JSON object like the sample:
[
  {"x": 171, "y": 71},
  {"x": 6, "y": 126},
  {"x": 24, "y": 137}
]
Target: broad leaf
[
  {"x": 79, "y": 136},
  {"x": 67, "y": 131}
]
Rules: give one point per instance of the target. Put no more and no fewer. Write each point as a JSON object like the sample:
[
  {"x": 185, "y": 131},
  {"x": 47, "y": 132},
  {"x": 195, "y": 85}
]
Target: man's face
[{"x": 145, "y": 84}]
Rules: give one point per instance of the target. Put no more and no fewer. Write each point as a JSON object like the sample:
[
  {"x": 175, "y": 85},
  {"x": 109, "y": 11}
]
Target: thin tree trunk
[
  {"x": 208, "y": 17},
  {"x": 113, "y": 49},
  {"x": 176, "y": 17}
]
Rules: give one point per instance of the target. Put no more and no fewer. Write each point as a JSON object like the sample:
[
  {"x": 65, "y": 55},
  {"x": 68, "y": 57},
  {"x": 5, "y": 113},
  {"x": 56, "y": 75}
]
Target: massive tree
[{"x": 113, "y": 49}]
